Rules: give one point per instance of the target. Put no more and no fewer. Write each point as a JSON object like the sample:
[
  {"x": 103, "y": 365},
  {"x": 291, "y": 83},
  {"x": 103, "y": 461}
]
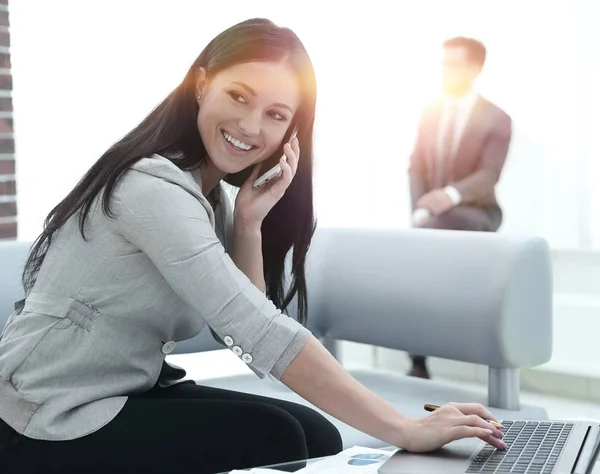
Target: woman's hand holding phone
[
  {"x": 253, "y": 203},
  {"x": 274, "y": 172}
]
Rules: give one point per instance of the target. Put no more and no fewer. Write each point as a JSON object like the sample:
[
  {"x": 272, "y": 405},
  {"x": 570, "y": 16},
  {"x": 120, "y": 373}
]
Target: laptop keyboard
[{"x": 533, "y": 447}]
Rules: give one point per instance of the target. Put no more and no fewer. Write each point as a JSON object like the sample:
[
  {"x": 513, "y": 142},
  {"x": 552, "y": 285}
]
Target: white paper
[
  {"x": 258, "y": 470},
  {"x": 356, "y": 460}
]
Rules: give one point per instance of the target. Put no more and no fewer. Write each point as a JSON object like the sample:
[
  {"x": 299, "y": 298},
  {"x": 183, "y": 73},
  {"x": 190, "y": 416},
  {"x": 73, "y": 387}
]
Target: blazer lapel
[
  {"x": 431, "y": 142},
  {"x": 475, "y": 117}
]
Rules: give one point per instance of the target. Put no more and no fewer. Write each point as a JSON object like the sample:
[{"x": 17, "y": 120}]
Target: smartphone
[{"x": 274, "y": 172}]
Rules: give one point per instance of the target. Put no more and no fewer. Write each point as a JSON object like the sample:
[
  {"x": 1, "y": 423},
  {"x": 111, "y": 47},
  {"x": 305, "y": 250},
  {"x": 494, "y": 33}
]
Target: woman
[{"x": 145, "y": 252}]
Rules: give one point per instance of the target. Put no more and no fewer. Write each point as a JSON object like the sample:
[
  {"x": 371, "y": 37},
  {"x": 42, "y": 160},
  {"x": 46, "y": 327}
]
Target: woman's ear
[{"x": 201, "y": 81}]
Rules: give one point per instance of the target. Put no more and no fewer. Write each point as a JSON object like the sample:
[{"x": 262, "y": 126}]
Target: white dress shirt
[{"x": 464, "y": 106}]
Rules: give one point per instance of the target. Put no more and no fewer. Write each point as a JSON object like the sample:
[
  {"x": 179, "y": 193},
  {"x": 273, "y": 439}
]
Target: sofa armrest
[
  {"x": 13, "y": 255},
  {"x": 471, "y": 296}
]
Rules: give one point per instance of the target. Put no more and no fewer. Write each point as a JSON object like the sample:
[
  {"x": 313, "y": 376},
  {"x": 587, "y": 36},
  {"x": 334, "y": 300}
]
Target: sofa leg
[{"x": 503, "y": 388}]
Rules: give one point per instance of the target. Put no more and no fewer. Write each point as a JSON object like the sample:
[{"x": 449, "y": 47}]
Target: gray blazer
[
  {"x": 478, "y": 162},
  {"x": 104, "y": 313}
]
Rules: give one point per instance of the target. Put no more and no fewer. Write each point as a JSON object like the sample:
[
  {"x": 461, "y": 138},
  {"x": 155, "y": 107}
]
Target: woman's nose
[{"x": 250, "y": 124}]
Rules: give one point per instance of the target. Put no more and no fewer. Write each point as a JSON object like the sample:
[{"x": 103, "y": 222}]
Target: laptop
[{"x": 540, "y": 447}]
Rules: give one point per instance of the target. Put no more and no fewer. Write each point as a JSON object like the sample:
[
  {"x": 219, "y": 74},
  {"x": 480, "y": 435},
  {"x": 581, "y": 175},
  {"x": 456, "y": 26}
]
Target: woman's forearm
[
  {"x": 316, "y": 376},
  {"x": 247, "y": 253}
]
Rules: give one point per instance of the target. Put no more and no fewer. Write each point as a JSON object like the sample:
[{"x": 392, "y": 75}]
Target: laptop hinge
[{"x": 587, "y": 452}]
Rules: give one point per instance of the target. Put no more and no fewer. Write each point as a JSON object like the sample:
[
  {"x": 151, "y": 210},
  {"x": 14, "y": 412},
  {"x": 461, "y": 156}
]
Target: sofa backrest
[{"x": 471, "y": 296}]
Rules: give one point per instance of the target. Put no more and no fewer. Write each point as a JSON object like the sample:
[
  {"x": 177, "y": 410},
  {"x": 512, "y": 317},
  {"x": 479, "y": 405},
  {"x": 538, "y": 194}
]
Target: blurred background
[{"x": 82, "y": 74}]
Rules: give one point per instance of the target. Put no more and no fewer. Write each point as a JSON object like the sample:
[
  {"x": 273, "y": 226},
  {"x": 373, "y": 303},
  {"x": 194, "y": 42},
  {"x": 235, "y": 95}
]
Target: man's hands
[{"x": 436, "y": 202}]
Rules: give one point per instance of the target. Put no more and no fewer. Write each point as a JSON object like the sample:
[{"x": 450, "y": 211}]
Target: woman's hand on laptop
[{"x": 451, "y": 422}]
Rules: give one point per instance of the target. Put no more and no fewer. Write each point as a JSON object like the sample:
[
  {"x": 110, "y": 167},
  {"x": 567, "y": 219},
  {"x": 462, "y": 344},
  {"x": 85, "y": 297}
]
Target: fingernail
[{"x": 284, "y": 157}]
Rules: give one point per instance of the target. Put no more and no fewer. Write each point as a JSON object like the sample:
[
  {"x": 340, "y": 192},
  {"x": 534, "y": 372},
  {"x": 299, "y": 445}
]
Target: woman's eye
[
  {"x": 238, "y": 97},
  {"x": 277, "y": 115}
]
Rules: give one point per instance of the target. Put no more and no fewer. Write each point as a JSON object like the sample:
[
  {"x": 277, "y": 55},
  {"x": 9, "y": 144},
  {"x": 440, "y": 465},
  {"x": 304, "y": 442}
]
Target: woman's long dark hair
[{"x": 171, "y": 130}]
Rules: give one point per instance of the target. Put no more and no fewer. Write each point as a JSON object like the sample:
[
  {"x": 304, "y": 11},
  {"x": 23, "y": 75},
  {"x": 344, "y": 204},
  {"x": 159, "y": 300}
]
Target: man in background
[{"x": 461, "y": 147}]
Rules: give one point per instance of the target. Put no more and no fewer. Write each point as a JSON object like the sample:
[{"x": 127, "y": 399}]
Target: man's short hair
[{"x": 476, "y": 51}]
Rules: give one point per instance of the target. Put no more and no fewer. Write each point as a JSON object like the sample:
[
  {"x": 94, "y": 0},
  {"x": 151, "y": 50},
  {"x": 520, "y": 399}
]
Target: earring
[{"x": 199, "y": 96}]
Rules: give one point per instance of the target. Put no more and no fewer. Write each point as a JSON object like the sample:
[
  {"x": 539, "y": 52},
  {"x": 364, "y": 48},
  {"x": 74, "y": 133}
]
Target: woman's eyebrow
[{"x": 253, "y": 93}]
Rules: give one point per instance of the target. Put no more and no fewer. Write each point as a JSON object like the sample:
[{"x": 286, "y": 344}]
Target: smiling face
[{"x": 245, "y": 111}]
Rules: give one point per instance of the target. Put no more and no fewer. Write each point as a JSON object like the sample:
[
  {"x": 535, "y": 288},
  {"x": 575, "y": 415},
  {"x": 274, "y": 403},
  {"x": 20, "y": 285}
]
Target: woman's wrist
[
  {"x": 244, "y": 225},
  {"x": 405, "y": 432},
  {"x": 398, "y": 429}
]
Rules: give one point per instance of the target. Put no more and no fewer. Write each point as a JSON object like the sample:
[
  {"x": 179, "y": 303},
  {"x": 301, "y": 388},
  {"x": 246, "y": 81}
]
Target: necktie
[{"x": 448, "y": 132}]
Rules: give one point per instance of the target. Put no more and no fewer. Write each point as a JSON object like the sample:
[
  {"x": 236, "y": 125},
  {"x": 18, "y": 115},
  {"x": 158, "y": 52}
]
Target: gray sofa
[{"x": 475, "y": 297}]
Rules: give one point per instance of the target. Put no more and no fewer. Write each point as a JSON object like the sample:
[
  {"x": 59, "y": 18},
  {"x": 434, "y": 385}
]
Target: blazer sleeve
[
  {"x": 483, "y": 180},
  {"x": 172, "y": 227}
]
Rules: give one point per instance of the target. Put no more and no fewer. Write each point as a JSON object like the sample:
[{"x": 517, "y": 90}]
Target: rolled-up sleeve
[{"x": 173, "y": 228}]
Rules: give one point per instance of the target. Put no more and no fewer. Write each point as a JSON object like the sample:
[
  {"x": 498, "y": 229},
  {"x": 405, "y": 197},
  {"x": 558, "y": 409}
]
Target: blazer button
[
  {"x": 237, "y": 350},
  {"x": 168, "y": 347},
  {"x": 247, "y": 358},
  {"x": 228, "y": 341}
]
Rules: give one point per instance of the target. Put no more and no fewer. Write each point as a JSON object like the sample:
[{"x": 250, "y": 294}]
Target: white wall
[
  {"x": 588, "y": 15},
  {"x": 87, "y": 72}
]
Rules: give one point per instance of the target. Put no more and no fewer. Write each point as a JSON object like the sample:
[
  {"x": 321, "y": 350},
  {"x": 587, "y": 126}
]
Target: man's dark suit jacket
[{"x": 475, "y": 168}]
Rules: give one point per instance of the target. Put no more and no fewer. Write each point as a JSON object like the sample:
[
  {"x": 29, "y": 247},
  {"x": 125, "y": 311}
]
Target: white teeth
[{"x": 237, "y": 143}]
